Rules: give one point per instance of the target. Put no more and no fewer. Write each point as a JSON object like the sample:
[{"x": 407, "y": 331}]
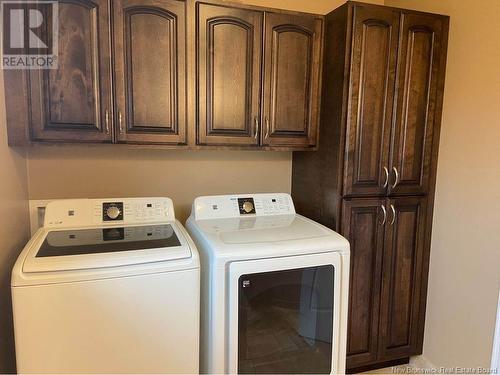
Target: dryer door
[{"x": 284, "y": 314}]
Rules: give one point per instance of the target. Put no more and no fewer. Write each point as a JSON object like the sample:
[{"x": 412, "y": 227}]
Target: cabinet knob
[{"x": 256, "y": 127}]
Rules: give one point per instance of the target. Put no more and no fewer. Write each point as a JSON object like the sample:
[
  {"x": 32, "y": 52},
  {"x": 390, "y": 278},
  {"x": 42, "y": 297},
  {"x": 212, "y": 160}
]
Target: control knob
[
  {"x": 248, "y": 206},
  {"x": 113, "y": 212}
]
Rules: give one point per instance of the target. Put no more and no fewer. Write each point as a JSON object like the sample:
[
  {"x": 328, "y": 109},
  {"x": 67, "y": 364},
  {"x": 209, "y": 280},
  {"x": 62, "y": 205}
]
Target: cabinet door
[
  {"x": 150, "y": 68},
  {"x": 418, "y": 71},
  {"x": 374, "y": 51},
  {"x": 292, "y": 79},
  {"x": 363, "y": 225},
  {"x": 229, "y": 50},
  {"x": 73, "y": 102},
  {"x": 402, "y": 277}
]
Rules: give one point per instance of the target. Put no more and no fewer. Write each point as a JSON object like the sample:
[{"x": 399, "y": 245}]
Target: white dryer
[
  {"x": 107, "y": 286},
  {"x": 274, "y": 287}
]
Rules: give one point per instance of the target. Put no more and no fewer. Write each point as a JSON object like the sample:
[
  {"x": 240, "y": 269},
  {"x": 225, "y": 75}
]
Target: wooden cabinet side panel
[
  {"x": 432, "y": 185},
  {"x": 316, "y": 182}
]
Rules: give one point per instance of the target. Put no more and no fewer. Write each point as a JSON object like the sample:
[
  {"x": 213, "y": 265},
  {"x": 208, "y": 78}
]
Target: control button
[{"x": 248, "y": 207}]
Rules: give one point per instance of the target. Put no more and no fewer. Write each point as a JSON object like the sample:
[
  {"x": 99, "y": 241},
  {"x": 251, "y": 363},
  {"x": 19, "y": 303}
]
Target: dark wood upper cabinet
[
  {"x": 418, "y": 68},
  {"x": 130, "y": 71},
  {"x": 401, "y": 280},
  {"x": 229, "y": 59},
  {"x": 251, "y": 92},
  {"x": 150, "y": 71},
  {"x": 373, "y": 69},
  {"x": 292, "y": 70},
  {"x": 73, "y": 102},
  {"x": 363, "y": 222}
]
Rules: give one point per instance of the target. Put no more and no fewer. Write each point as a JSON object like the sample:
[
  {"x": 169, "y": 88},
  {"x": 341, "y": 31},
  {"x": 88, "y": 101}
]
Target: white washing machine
[
  {"x": 274, "y": 287},
  {"x": 107, "y": 286}
]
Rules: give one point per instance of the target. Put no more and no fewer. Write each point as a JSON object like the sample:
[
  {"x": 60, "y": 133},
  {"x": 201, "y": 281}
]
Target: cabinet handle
[
  {"x": 120, "y": 121},
  {"x": 106, "y": 120},
  {"x": 396, "y": 177},
  {"x": 393, "y": 214},
  {"x": 267, "y": 127},
  {"x": 256, "y": 129},
  {"x": 385, "y": 214},
  {"x": 386, "y": 172}
]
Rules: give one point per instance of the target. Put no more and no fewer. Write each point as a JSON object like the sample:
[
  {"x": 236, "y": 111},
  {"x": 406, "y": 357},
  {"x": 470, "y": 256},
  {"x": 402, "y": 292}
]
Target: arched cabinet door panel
[
  {"x": 372, "y": 77},
  {"x": 150, "y": 67},
  {"x": 402, "y": 277},
  {"x": 229, "y": 55},
  {"x": 72, "y": 103},
  {"x": 363, "y": 223},
  {"x": 292, "y": 70},
  {"x": 417, "y": 88}
]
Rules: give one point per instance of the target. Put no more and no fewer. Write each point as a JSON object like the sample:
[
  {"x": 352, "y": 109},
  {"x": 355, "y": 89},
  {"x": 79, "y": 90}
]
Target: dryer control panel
[
  {"x": 231, "y": 206},
  {"x": 112, "y": 211}
]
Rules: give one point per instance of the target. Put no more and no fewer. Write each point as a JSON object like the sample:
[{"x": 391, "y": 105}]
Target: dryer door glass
[{"x": 285, "y": 321}]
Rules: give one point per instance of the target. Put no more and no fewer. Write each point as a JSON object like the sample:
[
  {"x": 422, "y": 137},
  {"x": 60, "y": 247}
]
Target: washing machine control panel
[
  {"x": 81, "y": 212},
  {"x": 138, "y": 210},
  {"x": 229, "y": 206}
]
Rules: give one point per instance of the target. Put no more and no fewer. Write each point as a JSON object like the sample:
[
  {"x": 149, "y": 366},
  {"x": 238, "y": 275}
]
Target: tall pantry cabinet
[{"x": 373, "y": 176}]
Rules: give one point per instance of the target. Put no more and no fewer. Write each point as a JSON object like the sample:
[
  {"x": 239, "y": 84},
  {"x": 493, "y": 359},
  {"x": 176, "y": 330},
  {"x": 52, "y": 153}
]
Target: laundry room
[{"x": 250, "y": 186}]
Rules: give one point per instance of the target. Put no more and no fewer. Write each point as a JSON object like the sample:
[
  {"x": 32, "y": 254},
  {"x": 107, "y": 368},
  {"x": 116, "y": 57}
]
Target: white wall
[{"x": 465, "y": 256}]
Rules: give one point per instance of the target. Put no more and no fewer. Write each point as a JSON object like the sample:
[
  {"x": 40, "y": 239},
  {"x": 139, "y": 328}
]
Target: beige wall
[
  {"x": 111, "y": 171},
  {"x": 464, "y": 276},
  {"x": 71, "y": 171},
  {"x": 13, "y": 231},
  {"x": 313, "y": 6},
  {"x": 465, "y": 259}
]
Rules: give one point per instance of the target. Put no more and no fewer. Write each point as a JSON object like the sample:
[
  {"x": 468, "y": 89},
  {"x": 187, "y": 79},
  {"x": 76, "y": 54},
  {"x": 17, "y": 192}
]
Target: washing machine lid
[
  {"x": 98, "y": 247},
  {"x": 265, "y": 234},
  {"x": 272, "y": 229}
]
